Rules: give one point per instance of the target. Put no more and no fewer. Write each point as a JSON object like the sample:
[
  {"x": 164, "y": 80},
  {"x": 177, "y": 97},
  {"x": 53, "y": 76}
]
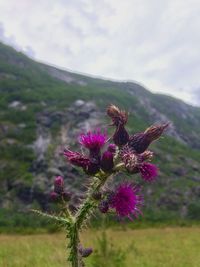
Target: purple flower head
[
  {"x": 148, "y": 171},
  {"x": 59, "y": 184},
  {"x": 76, "y": 158},
  {"x": 126, "y": 201},
  {"x": 107, "y": 163},
  {"x": 93, "y": 141}
]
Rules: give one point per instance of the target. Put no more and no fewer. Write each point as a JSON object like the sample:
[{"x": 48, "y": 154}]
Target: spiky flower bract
[
  {"x": 76, "y": 158},
  {"x": 148, "y": 171},
  {"x": 126, "y": 200}
]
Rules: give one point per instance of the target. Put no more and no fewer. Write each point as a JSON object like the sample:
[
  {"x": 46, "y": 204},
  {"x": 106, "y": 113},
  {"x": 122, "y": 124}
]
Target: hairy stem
[
  {"x": 89, "y": 204},
  {"x": 74, "y": 247},
  {"x": 81, "y": 216}
]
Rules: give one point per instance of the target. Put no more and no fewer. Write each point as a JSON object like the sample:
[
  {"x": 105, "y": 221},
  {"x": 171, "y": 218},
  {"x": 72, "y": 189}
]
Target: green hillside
[{"x": 42, "y": 108}]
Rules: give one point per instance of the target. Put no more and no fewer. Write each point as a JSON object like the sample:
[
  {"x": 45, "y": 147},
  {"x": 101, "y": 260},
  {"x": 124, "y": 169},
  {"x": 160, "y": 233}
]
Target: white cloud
[{"x": 151, "y": 41}]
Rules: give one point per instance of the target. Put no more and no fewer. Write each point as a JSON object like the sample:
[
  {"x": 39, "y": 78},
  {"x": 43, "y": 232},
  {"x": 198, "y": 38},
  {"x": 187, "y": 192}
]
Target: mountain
[{"x": 43, "y": 109}]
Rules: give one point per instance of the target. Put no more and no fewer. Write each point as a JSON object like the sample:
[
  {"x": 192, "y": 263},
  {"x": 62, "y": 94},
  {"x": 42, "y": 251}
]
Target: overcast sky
[{"x": 154, "y": 42}]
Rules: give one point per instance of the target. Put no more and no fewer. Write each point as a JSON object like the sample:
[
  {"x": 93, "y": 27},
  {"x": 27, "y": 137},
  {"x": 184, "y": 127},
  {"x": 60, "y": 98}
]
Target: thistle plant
[{"x": 101, "y": 160}]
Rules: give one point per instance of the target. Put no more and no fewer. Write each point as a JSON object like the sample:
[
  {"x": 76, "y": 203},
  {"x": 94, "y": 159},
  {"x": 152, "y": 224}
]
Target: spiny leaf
[{"x": 52, "y": 217}]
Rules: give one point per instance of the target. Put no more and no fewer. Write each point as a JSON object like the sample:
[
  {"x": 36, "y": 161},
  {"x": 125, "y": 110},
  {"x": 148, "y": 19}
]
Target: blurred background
[{"x": 61, "y": 64}]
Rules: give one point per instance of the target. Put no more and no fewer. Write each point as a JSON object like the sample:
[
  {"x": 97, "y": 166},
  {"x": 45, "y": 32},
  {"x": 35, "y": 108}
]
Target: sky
[{"x": 153, "y": 42}]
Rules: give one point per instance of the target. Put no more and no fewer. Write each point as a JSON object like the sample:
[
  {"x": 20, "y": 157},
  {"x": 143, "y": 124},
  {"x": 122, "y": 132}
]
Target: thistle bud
[
  {"x": 97, "y": 195},
  {"x": 59, "y": 184},
  {"x": 92, "y": 168},
  {"x": 121, "y": 136},
  {"x": 66, "y": 196},
  {"x": 54, "y": 197},
  {"x": 112, "y": 148},
  {"x": 139, "y": 142},
  {"x": 103, "y": 206},
  {"x": 85, "y": 252},
  {"x": 107, "y": 163}
]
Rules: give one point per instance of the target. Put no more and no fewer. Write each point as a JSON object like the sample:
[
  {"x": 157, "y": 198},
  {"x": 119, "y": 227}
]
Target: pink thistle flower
[
  {"x": 76, "y": 158},
  {"x": 93, "y": 141},
  {"x": 126, "y": 200},
  {"x": 148, "y": 171}
]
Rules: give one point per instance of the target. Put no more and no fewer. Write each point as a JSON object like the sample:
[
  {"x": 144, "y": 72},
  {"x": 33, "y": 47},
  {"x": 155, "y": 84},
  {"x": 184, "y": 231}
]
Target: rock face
[
  {"x": 80, "y": 117},
  {"x": 44, "y": 109}
]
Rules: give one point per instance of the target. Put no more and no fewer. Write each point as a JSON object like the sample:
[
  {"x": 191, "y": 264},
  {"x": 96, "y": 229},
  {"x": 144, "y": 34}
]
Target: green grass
[{"x": 168, "y": 247}]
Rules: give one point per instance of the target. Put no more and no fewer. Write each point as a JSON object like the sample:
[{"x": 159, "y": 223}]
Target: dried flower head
[
  {"x": 119, "y": 117},
  {"x": 126, "y": 200},
  {"x": 131, "y": 161},
  {"x": 146, "y": 155},
  {"x": 148, "y": 171},
  {"x": 139, "y": 142}
]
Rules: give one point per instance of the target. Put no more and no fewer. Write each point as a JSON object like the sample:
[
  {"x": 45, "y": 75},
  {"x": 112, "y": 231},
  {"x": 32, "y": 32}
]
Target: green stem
[
  {"x": 81, "y": 216},
  {"x": 74, "y": 247},
  {"x": 89, "y": 204}
]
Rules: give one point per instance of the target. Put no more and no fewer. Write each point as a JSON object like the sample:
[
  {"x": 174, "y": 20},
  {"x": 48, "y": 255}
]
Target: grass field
[{"x": 169, "y": 247}]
